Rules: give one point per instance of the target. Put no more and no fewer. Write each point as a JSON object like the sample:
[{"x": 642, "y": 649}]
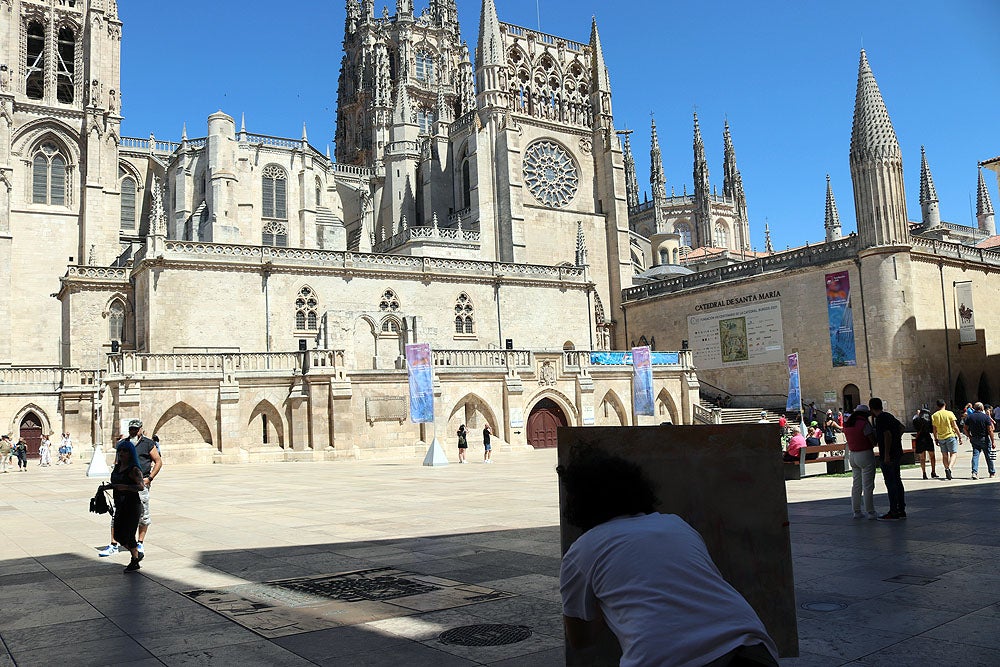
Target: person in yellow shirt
[{"x": 947, "y": 435}]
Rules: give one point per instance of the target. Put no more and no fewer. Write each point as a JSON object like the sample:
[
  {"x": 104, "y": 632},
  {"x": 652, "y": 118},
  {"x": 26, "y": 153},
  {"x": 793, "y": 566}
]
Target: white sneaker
[
  {"x": 138, "y": 546},
  {"x": 109, "y": 550}
]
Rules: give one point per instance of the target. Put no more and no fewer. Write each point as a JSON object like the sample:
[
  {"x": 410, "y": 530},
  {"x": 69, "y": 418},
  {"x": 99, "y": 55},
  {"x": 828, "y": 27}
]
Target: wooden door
[
  {"x": 31, "y": 431},
  {"x": 545, "y": 418}
]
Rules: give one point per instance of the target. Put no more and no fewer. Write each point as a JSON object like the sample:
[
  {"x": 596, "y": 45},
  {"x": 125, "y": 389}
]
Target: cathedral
[{"x": 250, "y": 296}]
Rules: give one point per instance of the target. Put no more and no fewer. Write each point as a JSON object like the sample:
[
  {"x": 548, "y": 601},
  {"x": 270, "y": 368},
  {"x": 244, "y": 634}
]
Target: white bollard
[
  {"x": 98, "y": 464},
  {"x": 435, "y": 455}
]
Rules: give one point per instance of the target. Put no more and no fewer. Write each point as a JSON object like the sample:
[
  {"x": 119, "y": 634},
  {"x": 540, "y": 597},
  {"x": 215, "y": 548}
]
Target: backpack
[
  {"x": 829, "y": 436},
  {"x": 99, "y": 503}
]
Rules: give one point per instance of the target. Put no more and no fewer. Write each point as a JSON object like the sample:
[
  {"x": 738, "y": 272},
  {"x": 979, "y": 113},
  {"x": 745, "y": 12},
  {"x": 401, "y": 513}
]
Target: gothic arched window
[
  {"x": 65, "y": 65},
  {"x": 466, "y": 185},
  {"x": 390, "y": 325},
  {"x": 319, "y": 192},
  {"x": 34, "y": 80},
  {"x": 116, "y": 321},
  {"x": 425, "y": 120},
  {"x": 664, "y": 256},
  {"x": 464, "y": 322},
  {"x": 273, "y": 183},
  {"x": 306, "y": 310},
  {"x": 275, "y": 234},
  {"x": 389, "y": 302},
  {"x": 48, "y": 176},
  {"x": 721, "y": 235},
  {"x": 684, "y": 231},
  {"x": 424, "y": 62},
  {"x": 128, "y": 189}
]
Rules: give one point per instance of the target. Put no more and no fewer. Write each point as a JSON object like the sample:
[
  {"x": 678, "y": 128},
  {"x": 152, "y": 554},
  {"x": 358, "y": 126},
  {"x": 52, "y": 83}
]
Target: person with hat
[
  {"x": 860, "y": 446},
  {"x": 6, "y": 452},
  {"x": 126, "y": 483},
  {"x": 889, "y": 440},
  {"x": 763, "y": 418},
  {"x": 150, "y": 463}
]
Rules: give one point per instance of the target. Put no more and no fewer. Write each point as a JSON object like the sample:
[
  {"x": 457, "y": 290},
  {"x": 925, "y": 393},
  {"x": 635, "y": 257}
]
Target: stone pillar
[
  {"x": 514, "y": 418},
  {"x": 231, "y": 428}
]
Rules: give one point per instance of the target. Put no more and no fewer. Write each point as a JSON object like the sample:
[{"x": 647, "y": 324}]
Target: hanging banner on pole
[
  {"x": 418, "y": 361},
  {"x": 642, "y": 381},
  {"x": 841, "y": 319},
  {"x": 966, "y": 317},
  {"x": 794, "y": 390}
]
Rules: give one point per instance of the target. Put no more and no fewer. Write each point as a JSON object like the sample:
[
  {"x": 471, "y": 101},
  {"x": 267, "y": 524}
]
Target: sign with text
[
  {"x": 966, "y": 316},
  {"x": 746, "y": 336},
  {"x": 418, "y": 362},
  {"x": 642, "y": 382},
  {"x": 841, "y": 319}
]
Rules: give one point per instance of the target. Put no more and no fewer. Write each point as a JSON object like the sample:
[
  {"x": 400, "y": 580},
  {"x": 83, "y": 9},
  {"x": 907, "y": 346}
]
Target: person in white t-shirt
[{"x": 647, "y": 576}]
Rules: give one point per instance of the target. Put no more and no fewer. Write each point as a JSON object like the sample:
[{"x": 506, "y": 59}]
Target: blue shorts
[
  {"x": 488, "y": 447},
  {"x": 948, "y": 445}
]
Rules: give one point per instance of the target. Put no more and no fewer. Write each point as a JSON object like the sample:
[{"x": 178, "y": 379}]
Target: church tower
[
  {"x": 60, "y": 102},
  {"x": 876, "y": 167},
  {"x": 984, "y": 207},
  {"x": 929, "y": 213}
]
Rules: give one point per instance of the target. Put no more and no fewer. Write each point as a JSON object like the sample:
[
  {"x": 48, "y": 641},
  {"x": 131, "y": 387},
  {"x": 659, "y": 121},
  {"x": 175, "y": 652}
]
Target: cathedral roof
[{"x": 872, "y": 134}]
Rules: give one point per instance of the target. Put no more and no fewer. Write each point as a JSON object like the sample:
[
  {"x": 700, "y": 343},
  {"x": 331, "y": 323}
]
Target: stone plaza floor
[{"x": 442, "y": 548}]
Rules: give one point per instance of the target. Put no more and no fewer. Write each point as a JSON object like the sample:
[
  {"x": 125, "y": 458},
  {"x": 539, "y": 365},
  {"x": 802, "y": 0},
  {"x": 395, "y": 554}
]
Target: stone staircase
[{"x": 742, "y": 415}]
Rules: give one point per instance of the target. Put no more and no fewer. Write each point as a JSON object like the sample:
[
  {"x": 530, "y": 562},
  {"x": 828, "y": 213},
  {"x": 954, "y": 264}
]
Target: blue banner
[
  {"x": 838, "y": 306},
  {"x": 625, "y": 358},
  {"x": 418, "y": 361},
  {"x": 794, "y": 403},
  {"x": 642, "y": 381}
]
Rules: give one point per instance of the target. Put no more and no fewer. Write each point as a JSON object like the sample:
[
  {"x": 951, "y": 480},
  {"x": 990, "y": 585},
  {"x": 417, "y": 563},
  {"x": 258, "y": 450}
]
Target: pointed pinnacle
[
  {"x": 983, "y": 204},
  {"x": 928, "y": 193},
  {"x": 872, "y": 132}
]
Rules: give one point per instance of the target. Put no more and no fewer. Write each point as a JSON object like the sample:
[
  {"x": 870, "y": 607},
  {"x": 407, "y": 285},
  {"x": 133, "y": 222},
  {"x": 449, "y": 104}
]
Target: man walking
[
  {"x": 889, "y": 439},
  {"x": 979, "y": 428},
  {"x": 150, "y": 464},
  {"x": 947, "y": 435}
]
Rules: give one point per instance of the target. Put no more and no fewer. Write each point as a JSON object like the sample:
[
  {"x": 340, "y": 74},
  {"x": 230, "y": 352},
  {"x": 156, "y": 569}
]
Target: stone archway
[
  {"x": 30, "y": 428},
  {"x": 852, "y": 397},
  {"x": 545, "y": 418}
]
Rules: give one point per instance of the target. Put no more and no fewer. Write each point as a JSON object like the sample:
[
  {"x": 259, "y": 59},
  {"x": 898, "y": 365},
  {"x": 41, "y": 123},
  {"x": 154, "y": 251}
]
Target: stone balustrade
[
  {"x": 46, "y": 378},
  {"x": 218, "y": 364},
  {"x": 482, "y": 359},
  {"x": 705, "y": 415}
]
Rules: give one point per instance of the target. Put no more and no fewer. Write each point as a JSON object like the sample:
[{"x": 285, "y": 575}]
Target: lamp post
[{"x": 98, "y": 462}]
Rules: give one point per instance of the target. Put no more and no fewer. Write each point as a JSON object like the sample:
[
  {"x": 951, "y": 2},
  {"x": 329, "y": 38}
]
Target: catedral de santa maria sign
[{"x": 746, "y": 336}]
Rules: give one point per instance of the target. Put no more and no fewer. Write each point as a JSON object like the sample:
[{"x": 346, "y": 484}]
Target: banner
[
  {"x": 966, "y": 320},
  {"x": 642, "y": 381},
  {"x": 418, "y": 361},
  {"x": 794, "y": 403},
  {"x": 745, "y": 336},
  {"x": 625, "y": 358},
  {"x": 841, "y": 319}
]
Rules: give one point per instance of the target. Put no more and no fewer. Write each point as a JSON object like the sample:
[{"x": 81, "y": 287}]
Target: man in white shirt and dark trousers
[{"x": 647, "y": 576}]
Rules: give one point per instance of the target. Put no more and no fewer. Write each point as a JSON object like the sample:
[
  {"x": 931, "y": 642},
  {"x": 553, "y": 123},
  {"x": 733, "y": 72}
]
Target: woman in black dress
[{"x": 126, "y": 481}]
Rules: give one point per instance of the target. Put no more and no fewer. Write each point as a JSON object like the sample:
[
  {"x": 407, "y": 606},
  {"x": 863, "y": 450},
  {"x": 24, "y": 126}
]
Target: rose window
[{"x": 550, "y": 174}]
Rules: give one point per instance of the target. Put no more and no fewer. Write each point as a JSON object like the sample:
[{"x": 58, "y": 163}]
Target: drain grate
[
  {"x": 485, "y": 634},
  {"x": 912, "y": 579},
  {"x": 375, "y": 584}
]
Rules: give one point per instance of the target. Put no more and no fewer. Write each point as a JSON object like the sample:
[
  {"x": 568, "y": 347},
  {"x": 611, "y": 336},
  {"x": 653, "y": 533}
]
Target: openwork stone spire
[
  {"x": 768, "y": 248},
  {"x": 657, "y": 179},
  {"x": 876, "y": 167},
  {"x": 732, "y": 189},
  {"x": 831, "y": 222},
  {"x": 984, "y": 207},
  {"x": 631, "y": 182},
  {"x": 930, "y": 213},
  {"x": 702, "y": 190},
  {"x": 402, "y": 112},
  {"x": 490, "y": 47},
  {"x": 581, "y": 245}
]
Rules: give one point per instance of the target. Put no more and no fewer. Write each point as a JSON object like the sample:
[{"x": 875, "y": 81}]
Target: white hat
[{"x": 862, "y": 408}]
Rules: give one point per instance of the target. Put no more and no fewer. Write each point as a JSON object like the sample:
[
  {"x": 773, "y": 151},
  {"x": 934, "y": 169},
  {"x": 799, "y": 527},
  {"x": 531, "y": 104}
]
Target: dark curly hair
[{"x": 600, "y": 487}]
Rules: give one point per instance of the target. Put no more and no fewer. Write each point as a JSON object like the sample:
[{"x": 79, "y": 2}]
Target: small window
[
  {"x": 319, "y": 193},
  {"x": 721, "y": 235},
  {"x": 424, "y": 67},
  {"x": 116, "y": 321},
  {"x": 306, "y": 310},
  {"x": 275, "y": 234},
  {"x": 273, "y": 183},
  {"x": 684, "y": 231},
  {"x": 466, "y": 185},
  {"x": 34, "y": 80},
  {"x": 425, "y": 121},
  {"x": 48, "y": 176},
  {"x": 66, "y": 66},
  {"x": 389, "y": 302},
  {"x": 128, "y": 203},
  {"x": 464, "y": 314},
  {"x": 390, "y": 325}
]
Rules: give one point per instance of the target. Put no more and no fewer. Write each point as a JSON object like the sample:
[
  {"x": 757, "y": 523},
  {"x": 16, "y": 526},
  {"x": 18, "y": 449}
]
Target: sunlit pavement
[{"x": 924, "y": 591}]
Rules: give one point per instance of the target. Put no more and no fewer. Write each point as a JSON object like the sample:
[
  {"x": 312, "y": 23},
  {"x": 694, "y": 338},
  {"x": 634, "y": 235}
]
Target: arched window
[
  {"x": 664, "y": 256},
  {"x": 306, "y": 307},
  {"x": 275, "y": 234},
  {"x": 390, "y": 325},
  {"x": 425, "y": 120},
  {"x": 466, "y": 185},
  {"x": 684, "y": 231},
  {"x": 319, "y": 192},
  {"x": 128, "y": 203},
  {"x": 273, "y": 183},
  {"x": 116, "y": 321},
  {"x": 464, "y": 322},
  {"x": 721, "y": 235},
  {"x": 389, "y": 302},
  {"x": 48, "y": 176},
  {"x": 424, "y": 67},
  {"x": 34, "y": 80},
  {"x": 66, "y": 65}
]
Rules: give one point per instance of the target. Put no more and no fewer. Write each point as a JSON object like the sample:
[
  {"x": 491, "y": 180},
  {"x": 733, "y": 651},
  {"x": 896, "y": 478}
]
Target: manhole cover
[
  {"x": 485, "y": 634},
  {"x": 823, "y": 606},
  {"x": 912, "y": 579},
  {"x": 375, "y": 584}
]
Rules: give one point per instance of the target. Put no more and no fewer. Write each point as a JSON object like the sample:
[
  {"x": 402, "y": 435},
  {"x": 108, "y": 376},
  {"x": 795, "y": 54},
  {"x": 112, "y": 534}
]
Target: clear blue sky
[{"x": 783, "y": 72}]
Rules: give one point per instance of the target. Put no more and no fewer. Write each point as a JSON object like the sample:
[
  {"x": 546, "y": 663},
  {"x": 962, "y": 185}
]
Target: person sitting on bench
[{"x": 796, "y": 443}]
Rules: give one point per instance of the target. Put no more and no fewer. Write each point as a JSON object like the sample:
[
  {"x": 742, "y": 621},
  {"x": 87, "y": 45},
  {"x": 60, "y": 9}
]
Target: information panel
[{"x": 747, "y": 336}]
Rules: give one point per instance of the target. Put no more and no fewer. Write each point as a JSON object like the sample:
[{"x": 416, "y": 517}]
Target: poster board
[
  {"x": 726, "y": 481},
  {"x": 746, "y": 336}
]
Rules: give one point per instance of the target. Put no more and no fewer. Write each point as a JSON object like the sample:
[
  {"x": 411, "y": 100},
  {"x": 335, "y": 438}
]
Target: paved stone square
[{"x": 921, "y": 592}]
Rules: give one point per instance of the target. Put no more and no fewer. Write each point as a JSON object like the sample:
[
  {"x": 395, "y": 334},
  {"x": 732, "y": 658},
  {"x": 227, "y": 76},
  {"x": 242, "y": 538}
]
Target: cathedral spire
[
  {"x": 732, "y": 189},
  {"x": 657, "y": 179},
  {"x": 930, "y": 214},
  {"x": 768, "y": 248},
  {"x": 402, "y": 111},
  {"x": 831, "y": 221},
  {"x": 729, "y": 171},
  {"x": 876, "y": 167},
  {"x": 490, "y": 59},
  {"x": 600, "y": 73},
  {"x": 702, "y": 191},
  {"x": 984, "y": 207},
  {"x": 631, "y": 182},
  {"x": 581, "y": 245},
  {"x": 601, "y": 94}
]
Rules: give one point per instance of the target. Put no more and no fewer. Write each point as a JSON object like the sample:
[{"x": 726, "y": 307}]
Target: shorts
[
  {"x": 923, "y": 444},
  {"x": 948, "y": 445},
  {"x": 144, "y": 519},
  {"x": 488, "y": 447}
]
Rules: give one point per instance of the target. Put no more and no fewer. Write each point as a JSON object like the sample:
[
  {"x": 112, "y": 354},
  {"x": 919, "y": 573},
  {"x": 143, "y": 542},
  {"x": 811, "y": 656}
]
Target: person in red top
[{"x": 860, "y": 442}]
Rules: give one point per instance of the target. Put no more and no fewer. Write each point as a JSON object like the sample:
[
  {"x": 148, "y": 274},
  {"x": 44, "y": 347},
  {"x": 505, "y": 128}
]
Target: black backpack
[{"x": 99, "y": 503}]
